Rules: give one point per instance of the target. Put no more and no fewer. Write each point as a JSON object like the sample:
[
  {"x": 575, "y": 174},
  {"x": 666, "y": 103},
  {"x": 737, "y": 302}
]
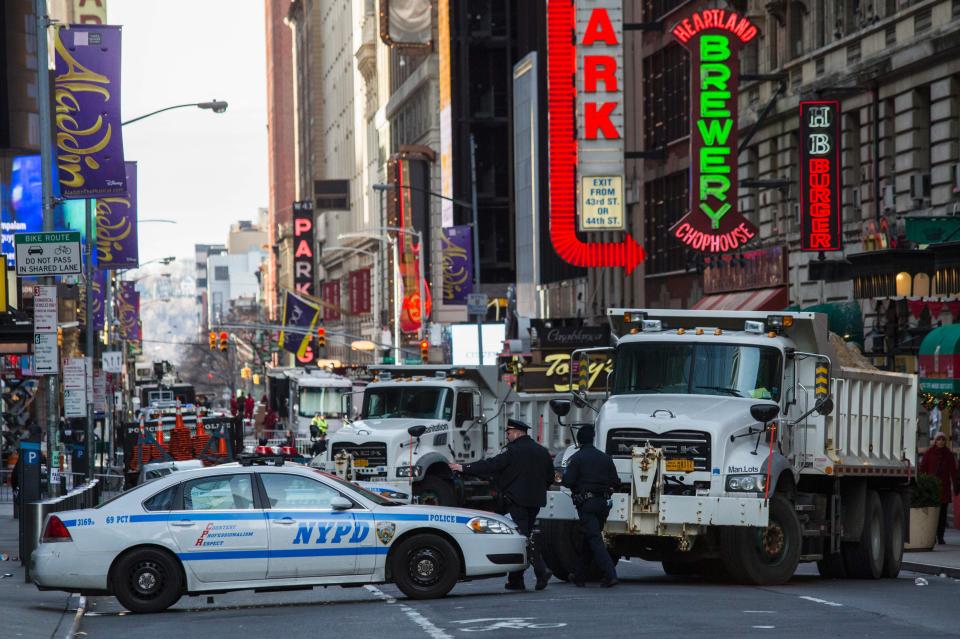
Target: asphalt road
[{"x": 646, "y": 603}]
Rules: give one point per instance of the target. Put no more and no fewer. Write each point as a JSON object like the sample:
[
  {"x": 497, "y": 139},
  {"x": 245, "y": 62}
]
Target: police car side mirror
[{"x": 341, "y": 503}]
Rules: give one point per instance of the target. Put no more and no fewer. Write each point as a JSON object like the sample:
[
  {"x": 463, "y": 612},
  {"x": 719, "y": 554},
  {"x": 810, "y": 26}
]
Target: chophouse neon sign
[{"x": 714, "y": 38}]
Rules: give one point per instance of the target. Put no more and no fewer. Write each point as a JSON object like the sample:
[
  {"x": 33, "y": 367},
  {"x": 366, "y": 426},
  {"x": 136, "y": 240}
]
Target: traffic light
[
  {"x": 224, "y": 341},
  {"x": 59, "y": 337},
  {"x": 424, "y": 351},
  {"x": 322, "y": 337},
  {"x": 213, "y": 341},
  {"x": 256, "y": 379}
]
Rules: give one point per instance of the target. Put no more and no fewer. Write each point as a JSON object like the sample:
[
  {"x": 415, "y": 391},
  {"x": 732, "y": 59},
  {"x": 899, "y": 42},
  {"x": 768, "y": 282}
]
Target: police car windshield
[
  {"x": 730, "y": 370},
  {"x": 375, "y": 498},
  {"x": 418, "y": 402}
]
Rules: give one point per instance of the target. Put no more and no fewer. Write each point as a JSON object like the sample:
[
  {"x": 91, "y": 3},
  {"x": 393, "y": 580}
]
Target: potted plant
[{"x": 924, "y": 510}]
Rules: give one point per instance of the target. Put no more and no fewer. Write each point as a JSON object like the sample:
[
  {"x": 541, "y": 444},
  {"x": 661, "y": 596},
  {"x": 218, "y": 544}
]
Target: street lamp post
[{"x": 217, "y": 106}]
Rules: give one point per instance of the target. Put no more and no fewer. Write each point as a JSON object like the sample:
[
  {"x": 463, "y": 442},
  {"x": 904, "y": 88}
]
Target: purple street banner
[
  {"x": 457, "y": 255},
  {"x": 98, "y": 288},
  {"x": 117, "y": 246},
  {"x": 128, "y": 311},
  {"x": 87, "y": 111},
  {"x": 299, "y": 314}
]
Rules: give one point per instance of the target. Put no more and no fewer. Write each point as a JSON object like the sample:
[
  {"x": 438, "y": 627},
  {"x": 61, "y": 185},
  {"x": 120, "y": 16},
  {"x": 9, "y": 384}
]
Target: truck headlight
[
  {"x": 409, "y": 471},
  {"x": 746, "y": 483},
  {"x": 488, "y": 526}
]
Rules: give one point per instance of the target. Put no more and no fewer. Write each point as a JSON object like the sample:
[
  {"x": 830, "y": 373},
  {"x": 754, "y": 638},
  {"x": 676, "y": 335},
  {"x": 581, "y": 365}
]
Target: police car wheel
[
  {"x": 147, "y": 581},
  {"x": 425, "y": 566}
]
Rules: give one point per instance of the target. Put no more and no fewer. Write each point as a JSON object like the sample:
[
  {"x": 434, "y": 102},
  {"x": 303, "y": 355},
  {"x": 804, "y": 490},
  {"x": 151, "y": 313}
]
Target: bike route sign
[{"x": 48, "y": 253}]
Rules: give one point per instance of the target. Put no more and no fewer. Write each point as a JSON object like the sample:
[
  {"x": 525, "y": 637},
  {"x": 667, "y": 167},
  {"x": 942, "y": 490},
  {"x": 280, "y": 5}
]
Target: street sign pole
[
  {"x": 476, "y": 241},
  {"x": 46, "y": 185},
  {"x": 88, "y": 290}
]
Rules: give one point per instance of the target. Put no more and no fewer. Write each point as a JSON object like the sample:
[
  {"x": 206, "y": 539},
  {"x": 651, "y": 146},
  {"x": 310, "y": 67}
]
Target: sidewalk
[
  {"x": 942, "y": 559},
  {"x": 24, "y": 610}
]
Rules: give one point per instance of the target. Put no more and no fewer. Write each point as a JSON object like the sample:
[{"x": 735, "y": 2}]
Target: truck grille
[
  {"x": 676, "y": 444},
  {"x": 374, "y": 452}
]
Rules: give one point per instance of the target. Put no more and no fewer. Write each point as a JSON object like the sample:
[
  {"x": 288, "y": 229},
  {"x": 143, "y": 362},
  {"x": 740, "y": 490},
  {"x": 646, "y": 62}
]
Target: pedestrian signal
[
  {"x": 424, "y": 351},
  {"x": 224, "y": 340}
]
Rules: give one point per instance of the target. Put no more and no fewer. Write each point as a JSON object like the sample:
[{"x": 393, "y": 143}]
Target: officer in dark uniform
[
  {"x": 591, "y": 477},
  {"x": 524, "y": 472}
]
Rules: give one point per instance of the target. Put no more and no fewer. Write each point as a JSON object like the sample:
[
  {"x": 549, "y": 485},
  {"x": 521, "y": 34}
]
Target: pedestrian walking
[
  {"x": 591, "y": 476},
  {"x": 523, "y": 473},
  {"x": 940, "y": 462},
  {"x": 248, "y": 406}
]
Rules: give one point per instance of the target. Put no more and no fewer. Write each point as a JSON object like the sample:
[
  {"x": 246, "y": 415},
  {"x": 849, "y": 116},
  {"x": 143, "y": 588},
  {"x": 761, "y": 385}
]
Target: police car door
[
  {"x": 308, "y": 538},
  {"x": 221, "y": 534}
]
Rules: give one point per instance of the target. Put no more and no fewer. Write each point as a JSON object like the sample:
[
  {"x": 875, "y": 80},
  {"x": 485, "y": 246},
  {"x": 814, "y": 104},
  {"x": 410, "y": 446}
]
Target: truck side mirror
[
  {"x": 825, "y": 405},
  {"x": 417, "y": 431},
  {"x": 560, "y": 407},
  {"x": 764, "y": 413}
]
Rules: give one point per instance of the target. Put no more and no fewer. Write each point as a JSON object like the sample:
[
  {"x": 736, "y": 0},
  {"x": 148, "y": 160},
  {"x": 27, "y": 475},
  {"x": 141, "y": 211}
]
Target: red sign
[
  {"x": 562, "y": 42},
  {"x": 359, "y": 283},
  {"x": 303, "y": 247},
  {"x": 331, "y": 295},
  {"x": 820, "y": 224},
  {"x": 714, "y": 38}
]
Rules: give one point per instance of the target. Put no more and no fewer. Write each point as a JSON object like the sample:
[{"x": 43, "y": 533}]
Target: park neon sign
[{"x": 714, "y": 38}]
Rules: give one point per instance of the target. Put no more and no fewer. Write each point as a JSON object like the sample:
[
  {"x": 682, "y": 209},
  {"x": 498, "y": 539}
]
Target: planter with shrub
[{"x": 924, "y": 510}]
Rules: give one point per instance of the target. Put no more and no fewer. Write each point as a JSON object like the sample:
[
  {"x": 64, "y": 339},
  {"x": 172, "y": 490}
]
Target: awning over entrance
[
  {"x": 940, "y": 360},
  {"x": 761, "y": 299}
]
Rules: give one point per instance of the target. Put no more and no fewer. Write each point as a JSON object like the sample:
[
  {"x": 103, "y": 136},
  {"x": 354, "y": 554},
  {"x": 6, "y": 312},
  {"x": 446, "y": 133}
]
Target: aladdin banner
[
  {"x": 98, "y": 288},
  {"x": 117, "y": 246},
  {"x": 457, "y": 256},
  {"x": 300, "y": 315},
  {"x": 87, "y": 101},
  {"x": 128, "y": 312}
]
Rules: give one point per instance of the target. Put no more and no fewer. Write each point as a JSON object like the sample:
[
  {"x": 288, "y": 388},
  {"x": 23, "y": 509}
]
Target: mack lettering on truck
[{"x": 676, "y": 444}]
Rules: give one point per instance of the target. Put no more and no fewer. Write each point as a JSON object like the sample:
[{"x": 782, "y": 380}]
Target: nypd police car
[{"x": 262, "y": 527}]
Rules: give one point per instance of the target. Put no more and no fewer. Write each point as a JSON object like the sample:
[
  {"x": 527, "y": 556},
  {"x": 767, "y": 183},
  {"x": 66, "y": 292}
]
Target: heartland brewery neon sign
[{"x": 714, "y": 38}]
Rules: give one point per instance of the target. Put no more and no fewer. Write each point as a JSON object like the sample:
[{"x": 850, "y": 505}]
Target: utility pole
[
  {"x": 51, "y": 405},
  {"x": 476, "y": 240}
]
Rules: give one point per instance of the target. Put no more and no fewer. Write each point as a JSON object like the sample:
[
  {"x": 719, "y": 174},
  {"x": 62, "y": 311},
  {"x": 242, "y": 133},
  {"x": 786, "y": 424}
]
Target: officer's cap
[{"x": 516, "y": 424}]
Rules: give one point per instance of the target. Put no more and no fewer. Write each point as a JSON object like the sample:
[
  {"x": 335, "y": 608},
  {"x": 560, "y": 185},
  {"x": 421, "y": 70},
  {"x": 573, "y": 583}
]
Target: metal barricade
[
  {"x": 35, "y": 514},
  {"x": 6, "y": 488}
]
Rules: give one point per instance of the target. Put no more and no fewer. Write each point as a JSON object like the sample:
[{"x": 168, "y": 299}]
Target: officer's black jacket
[
  {"x": 524, "y": 472},
  {"x": 590, "y": 470}
]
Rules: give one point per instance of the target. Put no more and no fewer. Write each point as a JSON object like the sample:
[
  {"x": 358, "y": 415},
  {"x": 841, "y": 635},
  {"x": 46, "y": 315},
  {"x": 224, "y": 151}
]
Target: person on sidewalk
[
  {"x": 591, "y": 476},
  {"x": 524, "y": 472},
  {"x": 940, "y": 462}
]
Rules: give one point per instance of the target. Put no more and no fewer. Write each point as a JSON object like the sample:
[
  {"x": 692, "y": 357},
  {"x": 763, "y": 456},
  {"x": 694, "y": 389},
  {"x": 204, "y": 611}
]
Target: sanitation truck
[
  {"x": 298, "y": 394},
  {"x": 743, "y": 449},
  {"x": 414, "y": 420}
]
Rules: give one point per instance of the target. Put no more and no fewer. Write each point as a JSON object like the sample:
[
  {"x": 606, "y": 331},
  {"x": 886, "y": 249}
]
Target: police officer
[
  {"x": 321, "y": 423},
  {"x": 524, "y": 472},
  {"x": 591, "y": 477}
]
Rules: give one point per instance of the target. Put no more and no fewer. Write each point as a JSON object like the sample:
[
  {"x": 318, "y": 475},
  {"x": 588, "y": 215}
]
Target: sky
[{"x": 201, "y": 169}]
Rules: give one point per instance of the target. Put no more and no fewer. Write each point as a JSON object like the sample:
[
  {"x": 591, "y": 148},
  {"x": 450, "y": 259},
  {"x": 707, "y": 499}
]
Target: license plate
[
  {"x": 363, "y": 463},
  {"x": 679, "y": 465}
]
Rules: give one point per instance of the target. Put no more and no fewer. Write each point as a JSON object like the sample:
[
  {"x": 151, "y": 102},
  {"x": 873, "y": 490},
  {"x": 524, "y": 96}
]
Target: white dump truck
[
  {"x": 414, "y": 420},
  {"x": 743, "y": 450}
]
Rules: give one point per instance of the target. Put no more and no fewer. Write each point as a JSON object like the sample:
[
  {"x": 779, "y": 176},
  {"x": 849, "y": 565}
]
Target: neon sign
[
  {"x": 714, "y": 38},
  {"x": 598, "y": 127},
  {"x": 820, "y": 226},
  {"x": 303, "y": 247}
]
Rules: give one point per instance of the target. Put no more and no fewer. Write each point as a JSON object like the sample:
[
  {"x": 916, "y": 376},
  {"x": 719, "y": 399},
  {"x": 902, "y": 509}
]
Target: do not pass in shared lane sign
[{"x": 48, "y": 253}]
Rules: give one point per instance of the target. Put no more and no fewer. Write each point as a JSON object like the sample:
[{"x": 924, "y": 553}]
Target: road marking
[
  {"x": 760, "y": 612},
  {"x": 506, "y": 623},
  {"x": 822, "y": 601},
  {"x": 763, "y": 627},
  {"x": 412, "y": 613}
]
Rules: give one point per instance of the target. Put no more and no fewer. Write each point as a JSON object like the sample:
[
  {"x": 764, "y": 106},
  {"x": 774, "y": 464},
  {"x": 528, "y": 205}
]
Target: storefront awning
[
  {"x": 940, "y": 360},
  {"x": 761, "y": 299}
]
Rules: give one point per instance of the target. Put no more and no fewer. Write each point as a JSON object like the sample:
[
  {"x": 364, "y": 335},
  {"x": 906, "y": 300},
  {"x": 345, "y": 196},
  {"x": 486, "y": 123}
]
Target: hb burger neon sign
[{"x": 714, "y": 38}]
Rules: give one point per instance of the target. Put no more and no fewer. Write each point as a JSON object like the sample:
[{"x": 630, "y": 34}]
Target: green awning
[
  {"x": 843, "y": 318},
  {"x": 940, "y": 360}
]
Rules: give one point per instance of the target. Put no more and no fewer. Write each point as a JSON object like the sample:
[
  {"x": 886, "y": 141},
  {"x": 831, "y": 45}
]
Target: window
[
  {"x": 666, "y": 75},
  {"x": 221, "y": 273},
  {"x": 226, "y": 492},
  {"x": 292, "y": 491},
  {"x": 665, "y": 203},
  {"x": 419, "y": 403},
  {"x": 326, "y": 401},
  {"x": 464, "y": 407},
  {"x": 164, "y": 500},
  {"x": 698, "y": 369}
]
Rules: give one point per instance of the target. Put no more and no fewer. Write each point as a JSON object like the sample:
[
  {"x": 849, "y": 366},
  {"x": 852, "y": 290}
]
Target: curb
[
  {"x": 930, "y": 569},
  {"x": 75, "y": 626}
]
